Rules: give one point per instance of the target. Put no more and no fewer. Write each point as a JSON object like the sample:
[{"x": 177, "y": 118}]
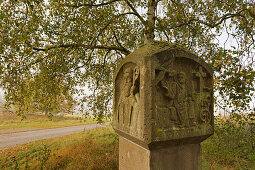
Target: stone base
[{"x": 135, "y": 157}]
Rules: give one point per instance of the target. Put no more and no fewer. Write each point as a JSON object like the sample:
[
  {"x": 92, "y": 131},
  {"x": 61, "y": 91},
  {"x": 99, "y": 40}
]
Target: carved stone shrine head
[{"x": 163, "y": 95}]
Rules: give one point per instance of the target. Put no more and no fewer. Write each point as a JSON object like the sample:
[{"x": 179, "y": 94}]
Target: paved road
[
  {"x": 5, "y": 131},
  {"x": 12, "y": 139}
]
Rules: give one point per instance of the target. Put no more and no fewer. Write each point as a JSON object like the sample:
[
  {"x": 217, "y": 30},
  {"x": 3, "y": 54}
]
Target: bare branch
[
  {"x": 136, "y": 13},
  {"x": 93, "y": 5},
  {"x": 108, "y": 24},
  {"x": 162, "y": 28},
  {"x": 115, "y": 36},
  {"x": 123, "y": 50},
  {"x": 37, "y": 61},
  {"x": 211, "y": 25}
]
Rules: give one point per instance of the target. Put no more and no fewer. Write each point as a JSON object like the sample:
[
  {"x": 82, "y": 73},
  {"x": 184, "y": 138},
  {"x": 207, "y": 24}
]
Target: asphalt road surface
[{"x": 12, "y": 139}]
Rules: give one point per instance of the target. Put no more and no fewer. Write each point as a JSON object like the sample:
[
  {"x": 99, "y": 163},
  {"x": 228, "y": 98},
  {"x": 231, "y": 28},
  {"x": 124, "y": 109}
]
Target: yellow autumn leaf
[
  {"x": 247, "y": 81},
  {"x": 160, "y": 130},
  {"x": 216, "y": 80},
  {"x": 228, "y": 63}
]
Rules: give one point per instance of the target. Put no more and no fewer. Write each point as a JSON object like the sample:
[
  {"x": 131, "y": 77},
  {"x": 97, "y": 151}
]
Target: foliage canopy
[{"x": 48, "y": 49}]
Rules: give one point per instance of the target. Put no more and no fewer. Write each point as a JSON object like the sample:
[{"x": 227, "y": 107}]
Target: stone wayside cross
[{"x": 163, "y": 108}]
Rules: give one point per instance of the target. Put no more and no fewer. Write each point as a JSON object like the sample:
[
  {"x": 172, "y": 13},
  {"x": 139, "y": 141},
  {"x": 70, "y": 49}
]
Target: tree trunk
[{"x": 151, "y": 14}]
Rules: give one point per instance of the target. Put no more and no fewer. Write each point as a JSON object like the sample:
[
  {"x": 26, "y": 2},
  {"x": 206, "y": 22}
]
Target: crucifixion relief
[
  {"x": 200, "y": 74},
  {"x": 186, "y": 97}
]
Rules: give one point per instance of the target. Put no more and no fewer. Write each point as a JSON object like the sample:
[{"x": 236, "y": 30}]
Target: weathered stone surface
[
  {"x": 134, "y": 157},
  {"x": 163, "y": 96}
]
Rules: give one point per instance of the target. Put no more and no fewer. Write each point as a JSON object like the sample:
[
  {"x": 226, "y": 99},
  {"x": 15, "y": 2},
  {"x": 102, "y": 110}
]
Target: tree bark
[{"x": 151, "y": 14}]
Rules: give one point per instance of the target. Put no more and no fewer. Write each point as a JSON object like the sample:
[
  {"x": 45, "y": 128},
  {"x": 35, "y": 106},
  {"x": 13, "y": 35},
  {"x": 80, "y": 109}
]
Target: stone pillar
[
  {"x": 162, "y": 108},
  {"x": 181, "y": 157}
]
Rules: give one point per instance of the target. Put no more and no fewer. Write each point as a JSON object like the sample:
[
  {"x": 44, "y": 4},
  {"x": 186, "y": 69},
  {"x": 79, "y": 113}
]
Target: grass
[
  {"x": 12, "y": 121},
  {"x": 231, "y": 147},
  {"x": 94, "y": 149}
]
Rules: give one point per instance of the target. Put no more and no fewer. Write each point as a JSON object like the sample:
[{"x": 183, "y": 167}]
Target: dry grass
[{"x": 94, "y": 149}]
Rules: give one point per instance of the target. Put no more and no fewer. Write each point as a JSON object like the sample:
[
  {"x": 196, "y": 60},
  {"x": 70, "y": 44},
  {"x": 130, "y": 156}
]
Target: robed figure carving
[{"x": 129, "y": 101}]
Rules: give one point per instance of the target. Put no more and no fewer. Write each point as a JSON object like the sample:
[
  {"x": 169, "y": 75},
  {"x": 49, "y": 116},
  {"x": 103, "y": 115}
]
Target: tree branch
[
  {"x": 211, "y": 25},
  {"x": 136, "y": 13},
  {"x": 93, "y": 5},
  {"x": 162, "y": 28},
  {"x": 115, "y": 36},
  {"x": 37, "y": 61},
  {"x": 123, "y": 50},
  {"x": 109, "y": 23}
]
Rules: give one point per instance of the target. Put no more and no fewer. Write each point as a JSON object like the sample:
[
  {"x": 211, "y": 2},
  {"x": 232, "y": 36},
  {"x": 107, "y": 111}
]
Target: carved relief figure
[
  {"x": 175, "y": 86},
  {"x": 192, "y": 120},
  {"x": 205, "y": 115},
  {"x": 128, "y": 104},
  {"x": 180, "y": 102},
  {"x": 134, "y": 118},
  {"x": 171, "y": 86},
  {"x": 182, "y": 105}
]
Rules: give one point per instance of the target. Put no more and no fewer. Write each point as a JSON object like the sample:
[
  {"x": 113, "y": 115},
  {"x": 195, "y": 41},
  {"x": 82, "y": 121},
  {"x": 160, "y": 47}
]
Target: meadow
[
  {"x": 231, "y": 147},
  {"x": 12, "y": 121}
]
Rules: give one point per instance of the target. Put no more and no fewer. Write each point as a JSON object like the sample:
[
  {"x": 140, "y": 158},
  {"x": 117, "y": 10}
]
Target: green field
[
  {"x": 231, "y": 147},
  {"x": 12, "y": 121}
]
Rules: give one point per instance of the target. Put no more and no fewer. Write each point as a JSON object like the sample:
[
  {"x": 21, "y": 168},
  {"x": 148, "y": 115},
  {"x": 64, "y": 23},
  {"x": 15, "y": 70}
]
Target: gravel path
[{"x": 12, "y": 139}]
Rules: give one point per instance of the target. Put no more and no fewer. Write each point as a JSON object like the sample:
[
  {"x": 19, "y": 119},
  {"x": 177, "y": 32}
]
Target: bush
[{"x": 233, "y": 143}]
